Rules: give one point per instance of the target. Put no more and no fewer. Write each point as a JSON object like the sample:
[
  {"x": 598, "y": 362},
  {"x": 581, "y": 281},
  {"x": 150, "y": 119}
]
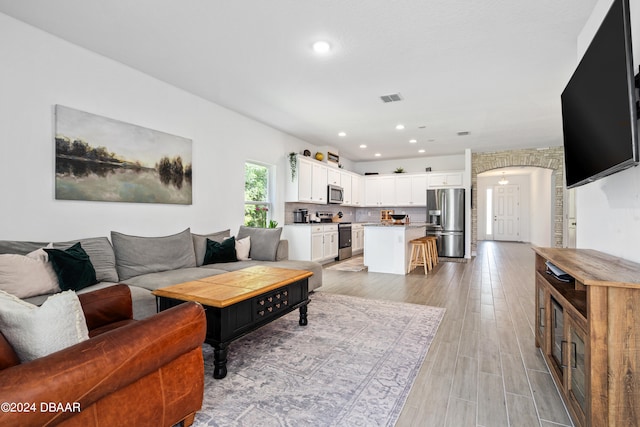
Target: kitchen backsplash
[{"x": 351, "y": 214}]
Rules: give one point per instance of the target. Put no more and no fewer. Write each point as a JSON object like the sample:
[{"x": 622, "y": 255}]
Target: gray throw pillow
[
  {"x": 141, "y": 255},
  {"x": 264, "y": 242},
  {"x": 200, "y": 243}
]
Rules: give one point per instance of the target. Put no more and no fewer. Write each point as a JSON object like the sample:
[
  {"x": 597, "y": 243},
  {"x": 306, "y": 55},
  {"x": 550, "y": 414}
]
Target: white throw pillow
[
  {"x": 243, "y": 247},
  {"x": 28, "y": 276},
  {"x": 34, "y": 331}
]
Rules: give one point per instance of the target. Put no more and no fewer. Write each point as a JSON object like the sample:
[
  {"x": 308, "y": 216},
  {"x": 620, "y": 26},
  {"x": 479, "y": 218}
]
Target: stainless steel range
[{"x": 344, "y": 240}]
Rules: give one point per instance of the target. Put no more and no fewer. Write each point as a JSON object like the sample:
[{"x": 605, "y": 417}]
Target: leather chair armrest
[
  {"x": 92, "y": 369},
  {"x": 108, "y": 305}
]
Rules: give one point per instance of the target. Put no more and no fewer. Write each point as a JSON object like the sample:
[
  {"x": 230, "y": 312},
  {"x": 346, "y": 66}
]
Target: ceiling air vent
[{"x": 394, "y": 97}]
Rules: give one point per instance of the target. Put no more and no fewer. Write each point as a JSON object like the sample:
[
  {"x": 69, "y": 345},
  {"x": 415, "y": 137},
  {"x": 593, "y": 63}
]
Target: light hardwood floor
[{"x": 483, "y": 368}]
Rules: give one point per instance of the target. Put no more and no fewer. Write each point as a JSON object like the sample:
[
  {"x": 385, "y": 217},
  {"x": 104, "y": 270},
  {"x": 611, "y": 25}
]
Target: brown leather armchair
[{"x": 140, "y": 373}]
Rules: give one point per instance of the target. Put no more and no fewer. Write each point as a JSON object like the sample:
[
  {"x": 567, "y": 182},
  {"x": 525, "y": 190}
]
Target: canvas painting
[{"x": 102, "y": 159}]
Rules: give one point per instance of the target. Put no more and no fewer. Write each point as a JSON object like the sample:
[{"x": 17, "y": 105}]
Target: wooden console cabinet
[{"x": 588, "y": 330}]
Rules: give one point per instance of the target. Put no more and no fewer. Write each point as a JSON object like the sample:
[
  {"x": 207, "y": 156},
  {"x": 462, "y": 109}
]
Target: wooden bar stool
[
  {"x": 420, "y": 255},
  {"x": 432, "y": 243}
]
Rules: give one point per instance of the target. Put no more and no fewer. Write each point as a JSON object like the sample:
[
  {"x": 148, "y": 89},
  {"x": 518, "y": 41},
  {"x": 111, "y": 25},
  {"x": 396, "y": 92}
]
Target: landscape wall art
[{"x": 102, "y": 159}]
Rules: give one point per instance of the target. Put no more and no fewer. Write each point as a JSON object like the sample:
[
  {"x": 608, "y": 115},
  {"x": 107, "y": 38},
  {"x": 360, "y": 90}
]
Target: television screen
[{"x": 599, "y": 117}]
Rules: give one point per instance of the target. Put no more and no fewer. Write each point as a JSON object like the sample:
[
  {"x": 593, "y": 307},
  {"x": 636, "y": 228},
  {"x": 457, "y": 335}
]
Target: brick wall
[{"x": 548, "y": 158}]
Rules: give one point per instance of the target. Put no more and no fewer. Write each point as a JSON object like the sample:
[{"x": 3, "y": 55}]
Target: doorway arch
[{"x": 548, "y": 158}]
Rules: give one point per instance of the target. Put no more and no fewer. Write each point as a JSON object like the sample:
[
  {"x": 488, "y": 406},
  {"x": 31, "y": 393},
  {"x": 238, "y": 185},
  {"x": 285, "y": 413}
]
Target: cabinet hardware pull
[
  {"x": 542, "y": 316},
  {"x": 574, "y": 361}
]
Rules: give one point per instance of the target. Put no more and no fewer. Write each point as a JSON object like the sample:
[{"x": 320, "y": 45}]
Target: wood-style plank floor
[{"x": 483, "y": 368}]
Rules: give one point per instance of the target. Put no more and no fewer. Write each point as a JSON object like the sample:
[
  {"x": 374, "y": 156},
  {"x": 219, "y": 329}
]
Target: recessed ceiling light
[
  {"x": 363, "y": 145},
  {"x": 342, "y": 134},
  {"x": 413, "y": 141},
  {"x": 321, "y": 46},
  {"x": 400, "y": 127},
  {"x": 377, "y": 154},
  {"x": 421, "y": 151}
]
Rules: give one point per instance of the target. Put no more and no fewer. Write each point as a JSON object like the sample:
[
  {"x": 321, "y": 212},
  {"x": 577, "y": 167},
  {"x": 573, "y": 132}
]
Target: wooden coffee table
[{"x": 239, "y": 302}]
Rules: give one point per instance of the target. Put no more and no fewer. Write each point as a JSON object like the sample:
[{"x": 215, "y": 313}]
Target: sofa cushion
[
  {"x": 35, "y": 332},
  {"x": 73, "y": 267},
  {"x": 99, "y": 250},
  {"x": 243, "y": 247},
  {"x": 142, "y": 255},
  {"x": 153, "y": 281},
  {"x": 264, "y": 242},
  {"x": 200, "y": 243},
  {"x": 25, "y": 276},
  {"x": 221, "y": 252}
]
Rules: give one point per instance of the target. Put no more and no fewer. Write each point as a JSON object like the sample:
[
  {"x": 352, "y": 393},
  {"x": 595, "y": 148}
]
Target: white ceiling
[{"x": 493, "y": 68}]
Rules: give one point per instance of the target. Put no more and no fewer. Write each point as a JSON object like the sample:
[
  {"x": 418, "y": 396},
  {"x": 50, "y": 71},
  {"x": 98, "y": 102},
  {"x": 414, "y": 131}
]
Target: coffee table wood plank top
[{"x": 227, "y": 289}]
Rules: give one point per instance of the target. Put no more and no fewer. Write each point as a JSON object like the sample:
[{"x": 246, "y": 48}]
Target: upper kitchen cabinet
[
  {"x": 411, "y": 190},
  {"x": 445, "y": 179},
  {"x": 345, "y": 183},
  {"x": 357, "y": 192},
  {"x": 309, "y": 184},
  {"x": 334, "y": 177},
  {"x": 380, "y": 191}
]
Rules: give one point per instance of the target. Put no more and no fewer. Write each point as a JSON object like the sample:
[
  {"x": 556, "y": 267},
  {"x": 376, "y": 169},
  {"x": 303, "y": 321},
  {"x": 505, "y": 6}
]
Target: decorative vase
[{"x": 319, "y": 156}]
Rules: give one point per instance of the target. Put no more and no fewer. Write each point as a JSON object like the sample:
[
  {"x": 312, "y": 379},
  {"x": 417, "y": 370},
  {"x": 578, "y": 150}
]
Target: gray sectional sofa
[{"x": 149, "y": 263}]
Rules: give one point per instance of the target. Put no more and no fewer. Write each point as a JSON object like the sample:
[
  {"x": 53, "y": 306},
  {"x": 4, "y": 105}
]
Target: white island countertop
[{"x": 387, "y": 248}]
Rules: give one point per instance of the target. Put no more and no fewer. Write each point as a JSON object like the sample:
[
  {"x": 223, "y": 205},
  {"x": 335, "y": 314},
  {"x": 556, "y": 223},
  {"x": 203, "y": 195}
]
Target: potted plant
[{"x": 399, "y": 170}]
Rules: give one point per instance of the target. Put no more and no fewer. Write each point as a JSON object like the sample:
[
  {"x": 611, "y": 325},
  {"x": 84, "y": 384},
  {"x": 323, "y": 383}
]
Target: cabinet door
[
  {"x": 372, "y": 191},
  {"x": 388, "y": 191},
  {"x": 356, "y": 190},
  {"x": 319, "y": 183},
  {"x": 331, "y": 244},
  {"x": 558, "y": 340},
  {"x": 333, "y": 177},
  {"x": 577, "y": 381},
  {"x": 447, "y": 179},
  {"x": 403, "y": 191},
  {"x": 419, "y": 190},
  {"x": 541, "y": 314},
  {"x": 305, "y": 177},
  {"x": 317, "y": 246},
  {"x": 345, "y": 183}
]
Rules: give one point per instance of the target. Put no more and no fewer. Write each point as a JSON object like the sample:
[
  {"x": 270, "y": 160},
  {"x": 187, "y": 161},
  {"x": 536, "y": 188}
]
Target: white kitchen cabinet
[
  {"x": 356, "y": 190},
  {"x": 445, "y": 179},
  {"x": 380, "y": 191},
  {"x": 357, "y": 238},
  {"x": 345, "y": 183},
  {"x": 333, "y": 177},
  {"x": 312, "y": 242},
  {"x": 411, "y": 190},
  {"x": 309, "y": 184}
]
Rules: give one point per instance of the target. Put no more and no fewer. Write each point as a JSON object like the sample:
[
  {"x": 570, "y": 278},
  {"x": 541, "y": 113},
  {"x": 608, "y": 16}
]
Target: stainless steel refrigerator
[{"x": 445, "y": 213}]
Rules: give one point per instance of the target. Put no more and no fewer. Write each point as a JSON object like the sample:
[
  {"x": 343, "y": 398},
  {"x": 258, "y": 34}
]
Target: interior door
[{"x": 506, "y": 212}]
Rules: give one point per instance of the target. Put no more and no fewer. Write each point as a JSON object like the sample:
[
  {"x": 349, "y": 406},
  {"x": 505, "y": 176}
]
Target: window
[{"x": 257, "y": 201}]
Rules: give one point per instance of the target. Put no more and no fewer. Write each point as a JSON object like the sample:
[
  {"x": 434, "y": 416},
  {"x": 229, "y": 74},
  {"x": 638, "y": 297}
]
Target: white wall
[
  {"x": 413, "y": 165},
  {"x": 608, "y": 210},
  {"x": 39, "y": 71},
  {"x": 536, "y": 207}
]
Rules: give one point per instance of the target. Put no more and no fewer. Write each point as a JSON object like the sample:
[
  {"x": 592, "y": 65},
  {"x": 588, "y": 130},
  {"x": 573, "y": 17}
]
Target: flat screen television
[{"x": 599, "y": 113}]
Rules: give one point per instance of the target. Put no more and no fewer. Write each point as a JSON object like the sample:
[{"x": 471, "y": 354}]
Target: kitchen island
[{"x": 387, "y": 248}]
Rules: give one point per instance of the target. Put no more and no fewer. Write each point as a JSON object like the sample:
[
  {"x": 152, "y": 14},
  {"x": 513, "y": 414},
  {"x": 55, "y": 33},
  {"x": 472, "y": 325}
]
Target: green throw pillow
[
  {"x": 73, "y": 267},
  {"x": 220, "y": 252}
]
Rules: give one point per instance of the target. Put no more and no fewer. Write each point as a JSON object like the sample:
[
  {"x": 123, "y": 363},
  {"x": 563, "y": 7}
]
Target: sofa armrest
[
  {"x": 93, "y": 369},
  {"x": 106, "y": 306},
  {"x": 282, "y": 254}
]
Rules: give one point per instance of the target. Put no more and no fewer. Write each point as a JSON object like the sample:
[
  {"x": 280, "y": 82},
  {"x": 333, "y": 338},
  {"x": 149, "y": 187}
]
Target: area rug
[
  {"x": 352, "y": 264},
  {"x": 352, "y": 365}
]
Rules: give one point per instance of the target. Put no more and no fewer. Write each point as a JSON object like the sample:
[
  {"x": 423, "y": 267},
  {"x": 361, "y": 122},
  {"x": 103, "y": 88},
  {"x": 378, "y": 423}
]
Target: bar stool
[
  {"x": 420, "y": 255},
  {"x": 432, "y": 246}
]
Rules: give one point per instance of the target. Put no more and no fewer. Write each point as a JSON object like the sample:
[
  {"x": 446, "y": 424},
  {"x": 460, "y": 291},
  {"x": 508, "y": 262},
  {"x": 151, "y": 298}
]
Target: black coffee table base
[{"x": 227, "y": 324}]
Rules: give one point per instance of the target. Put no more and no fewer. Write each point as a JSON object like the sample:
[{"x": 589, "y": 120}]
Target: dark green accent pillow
[
  {"x": 73, "y": 267},
  {"x": 220, "y": 252}
]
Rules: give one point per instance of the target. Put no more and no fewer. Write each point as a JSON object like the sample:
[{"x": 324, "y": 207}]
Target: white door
[{"x": 506, "y": 215}]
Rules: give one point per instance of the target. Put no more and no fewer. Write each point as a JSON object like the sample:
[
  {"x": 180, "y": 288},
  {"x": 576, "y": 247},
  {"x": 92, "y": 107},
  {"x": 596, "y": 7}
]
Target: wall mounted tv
[{"x": 599, "y": 112}]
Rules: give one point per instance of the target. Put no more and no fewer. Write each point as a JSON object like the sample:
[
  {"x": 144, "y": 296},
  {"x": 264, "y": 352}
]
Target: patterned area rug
[
  {"x": 352, "y": 264},
  {"x": 352, "y": 365}
]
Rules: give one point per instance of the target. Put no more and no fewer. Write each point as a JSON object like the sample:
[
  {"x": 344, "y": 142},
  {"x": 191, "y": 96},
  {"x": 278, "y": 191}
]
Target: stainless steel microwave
[{"x": 335, "y": 194}]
